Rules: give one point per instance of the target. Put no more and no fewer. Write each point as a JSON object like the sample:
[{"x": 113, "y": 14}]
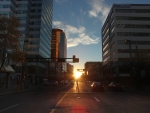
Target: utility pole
[
  {"x": 129, "y": 43},
  {"x": 23, "y": 75}
]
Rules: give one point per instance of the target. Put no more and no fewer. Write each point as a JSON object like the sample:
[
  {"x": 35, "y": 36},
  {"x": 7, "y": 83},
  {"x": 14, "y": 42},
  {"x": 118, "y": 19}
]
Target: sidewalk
[
  {"x": 144, "y": 91},
  {"x": 13, "y": 89},
  {"x": 32, "y": 86}
]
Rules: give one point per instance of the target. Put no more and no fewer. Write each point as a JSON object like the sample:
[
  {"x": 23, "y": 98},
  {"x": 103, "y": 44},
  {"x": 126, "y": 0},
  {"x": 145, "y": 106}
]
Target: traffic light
[{"x": 75, "y": 59}]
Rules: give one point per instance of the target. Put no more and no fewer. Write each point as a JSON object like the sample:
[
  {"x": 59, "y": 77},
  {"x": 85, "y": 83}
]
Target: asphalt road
[{"x": 70, "y": 99}]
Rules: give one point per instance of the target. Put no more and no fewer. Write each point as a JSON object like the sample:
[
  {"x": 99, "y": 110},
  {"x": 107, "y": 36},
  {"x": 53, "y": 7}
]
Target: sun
[{"x": 77, "y": 75}]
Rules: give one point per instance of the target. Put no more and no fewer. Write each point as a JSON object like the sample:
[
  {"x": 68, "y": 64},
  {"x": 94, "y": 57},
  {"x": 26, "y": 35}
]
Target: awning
[{"x": 7, "y": 68}]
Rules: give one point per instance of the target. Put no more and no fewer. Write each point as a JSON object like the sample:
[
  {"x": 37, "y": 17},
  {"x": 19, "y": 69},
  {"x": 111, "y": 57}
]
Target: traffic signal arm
[{"x": 75, "y": 59}]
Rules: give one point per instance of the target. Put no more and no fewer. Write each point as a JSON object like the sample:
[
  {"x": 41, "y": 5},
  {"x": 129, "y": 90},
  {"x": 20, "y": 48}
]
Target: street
[{"x": 70, "y": 99}]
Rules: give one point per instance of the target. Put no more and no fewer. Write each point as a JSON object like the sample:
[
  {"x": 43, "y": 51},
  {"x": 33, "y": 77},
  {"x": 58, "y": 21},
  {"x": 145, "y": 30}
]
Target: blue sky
[{"x": 82, "y": 20}]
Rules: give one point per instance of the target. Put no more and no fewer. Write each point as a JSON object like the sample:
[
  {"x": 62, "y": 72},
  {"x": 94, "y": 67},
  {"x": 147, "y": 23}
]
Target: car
[
  {"x": 65, "y": 82},
  {"x": 97, "y": 86},
  {"x": 115, "y": 86},
  {"x": 50, "y": 83}
]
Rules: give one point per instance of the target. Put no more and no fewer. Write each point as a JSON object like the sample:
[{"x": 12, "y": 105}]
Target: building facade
[
  {"x": 59, "y": 44},
  {"x": 58, "y": 50},
  {"x": 125, "y": 35},
  {"x": 36, "y": 28},
  {"x": 93, "y": 71}
]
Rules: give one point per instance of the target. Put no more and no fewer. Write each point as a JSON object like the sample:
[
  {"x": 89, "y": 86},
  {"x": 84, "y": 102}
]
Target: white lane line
[
  {"x": 53, "y": 110},
  {"x": 96, "y": 99},
  {"x": 8, "y": 108},
  {"x": 125, "y": 98}
]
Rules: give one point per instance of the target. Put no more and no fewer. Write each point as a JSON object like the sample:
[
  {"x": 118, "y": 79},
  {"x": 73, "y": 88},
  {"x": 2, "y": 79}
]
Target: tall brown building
[
  {"x": 58, "y": 44},
  {"x": 58, "y": 50}
]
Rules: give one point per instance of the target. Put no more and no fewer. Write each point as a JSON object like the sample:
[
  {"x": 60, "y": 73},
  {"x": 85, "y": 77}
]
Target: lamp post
[
  {"x": 23, "y": 67},
  {"x": 137, "y": 67},
  {"x": 129, "y": 43},
  {"x": 137, "y": 54}
]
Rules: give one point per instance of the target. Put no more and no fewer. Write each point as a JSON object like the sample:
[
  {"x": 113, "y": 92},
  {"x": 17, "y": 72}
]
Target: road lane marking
[
  {"x": 96, "y": 99},
  {"x": 125, "y": 98},
  {"x": 59, "y": 102},
  {"x": 8, "y": 108}
]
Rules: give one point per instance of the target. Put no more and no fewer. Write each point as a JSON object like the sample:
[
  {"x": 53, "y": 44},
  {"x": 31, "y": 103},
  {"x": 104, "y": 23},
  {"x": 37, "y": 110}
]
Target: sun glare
[{"x": 77, "y": 75}]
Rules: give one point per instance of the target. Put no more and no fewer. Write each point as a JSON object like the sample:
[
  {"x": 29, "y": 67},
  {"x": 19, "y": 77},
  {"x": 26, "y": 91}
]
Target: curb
[
  {"x": 18, "y": 92},
  {"x": 138, "y": 92}
]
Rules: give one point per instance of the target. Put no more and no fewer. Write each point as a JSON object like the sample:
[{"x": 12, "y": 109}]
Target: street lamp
[
  {"x": 137, "y": 54},
  {"x": 24, "y": 70},
  {"x": 137, "y": 64},
  {"x": 129, "y": 42}
]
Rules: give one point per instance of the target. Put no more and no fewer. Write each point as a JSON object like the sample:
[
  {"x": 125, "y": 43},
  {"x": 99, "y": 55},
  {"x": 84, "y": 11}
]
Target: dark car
[
  {"x": 97, "y": 86},
  {"x": 50, "y": 83},
  {"x": 114, "y": 86}
]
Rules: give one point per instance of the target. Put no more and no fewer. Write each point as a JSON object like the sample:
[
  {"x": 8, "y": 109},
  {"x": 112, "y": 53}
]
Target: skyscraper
[
  {"x": 35, "y": 26},
  {"x": 125, "y": 33},
  {"x": 58, "y": 50},
  {"x": 59, "y": 44}
]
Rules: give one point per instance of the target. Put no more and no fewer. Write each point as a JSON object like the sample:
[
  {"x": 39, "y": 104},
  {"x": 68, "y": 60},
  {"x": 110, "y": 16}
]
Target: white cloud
[
  {"x": 76, "y": 36},
  {"x": 98, "y": 9},
  {"x": 60, "y": 1}
]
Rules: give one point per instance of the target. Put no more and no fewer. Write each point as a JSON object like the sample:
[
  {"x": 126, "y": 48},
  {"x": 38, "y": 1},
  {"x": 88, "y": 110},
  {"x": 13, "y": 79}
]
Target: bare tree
[{"x": 9, "y": 40}]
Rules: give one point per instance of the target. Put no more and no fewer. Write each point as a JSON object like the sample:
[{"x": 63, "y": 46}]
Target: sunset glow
[{"x": 77, "y": 75}]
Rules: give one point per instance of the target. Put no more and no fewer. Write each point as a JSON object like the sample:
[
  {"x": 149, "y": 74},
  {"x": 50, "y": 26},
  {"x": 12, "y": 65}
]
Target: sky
[{"x": 82, "y": 21}]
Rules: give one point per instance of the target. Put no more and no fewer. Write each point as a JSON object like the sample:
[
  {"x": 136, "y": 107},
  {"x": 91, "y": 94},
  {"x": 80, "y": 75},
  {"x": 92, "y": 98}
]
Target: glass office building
[
  {"x": 7, "y": 7},
  {"x": 35, "y": 23},
  {"x": 125, "y": 35},
  {"x": 35, "y": 26}
]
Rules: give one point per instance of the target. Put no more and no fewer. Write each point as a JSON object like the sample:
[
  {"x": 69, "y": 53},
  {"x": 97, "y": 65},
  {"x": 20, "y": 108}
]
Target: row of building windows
[
  {"x": 106, "y": 39},
  {"x": 34, "y": 36},
  {"x": 22, "y": 12},
  {"x": 111, "y": 23},
  {"x": 36, "y": 11},
  {"x": 134, "y": 42},
  {"x": 105, "y": 33},
  {"x": 132, "y": 10},
  {"x": 106, "y": 52},
  {"x": 105, "y": 47},
  {"x": 21, "y": 5},
  {"x": 132, "y": 26},
  {"x": 106, "y": 59},
  {"x": 133, "y": 50},
  {"x": 132, "y": 18},
  {"x": 106, "y": 26},
  {"x": 33, "y": 49},
  {"x": 128, "y": 59},
  {"x": 132, "y": 34},
  {"x": 35, "y": 23},
  {"x": 36, "y": 5},
  {"x": 36, "y": 16},
  {"x": 34, "y": 29},
  {"x": 22, "y": 0},
  {"x": 4, "y": 6},
  {"x": 113, "y": 28}
]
